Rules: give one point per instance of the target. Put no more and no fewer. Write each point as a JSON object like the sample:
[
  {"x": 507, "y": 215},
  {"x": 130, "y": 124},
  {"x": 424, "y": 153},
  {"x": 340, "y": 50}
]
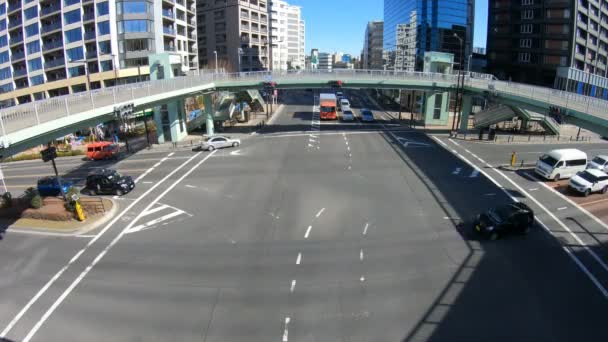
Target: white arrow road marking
[
  {"x": 456, "y": 171},
  {"x": 406, "y": 142},
  {"x": 149, "y": 224},
  {"x": 152, "y": 211},
  {"x": 235, "y": 153}
]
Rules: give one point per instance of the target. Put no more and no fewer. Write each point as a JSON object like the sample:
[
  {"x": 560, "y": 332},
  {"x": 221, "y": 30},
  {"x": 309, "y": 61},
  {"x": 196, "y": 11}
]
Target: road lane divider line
[
  {"x": 82, "y": 275},
  {"x": 562, "y": 208},
  {"x": 526, "y": 194},
  {"x": 594, "y": 202},
  {"x": 293, "y": 286},
  {"x": 286, "y": 329},
  {"x": 365, "y": 228},
  {"x": 307, "y": 232},
  {"x": 320, "y": 212},
  {"x": 361, "y": 254},
  {"x": 46, "y": 286},
  {"x": 299, "y": 259}
]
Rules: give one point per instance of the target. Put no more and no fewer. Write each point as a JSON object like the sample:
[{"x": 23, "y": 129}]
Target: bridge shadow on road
[{"x": 519, "y": 288}]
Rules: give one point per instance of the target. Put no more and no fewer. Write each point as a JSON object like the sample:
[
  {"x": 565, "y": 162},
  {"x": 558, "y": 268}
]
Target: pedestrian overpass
[{"x": 35, "y": 123}]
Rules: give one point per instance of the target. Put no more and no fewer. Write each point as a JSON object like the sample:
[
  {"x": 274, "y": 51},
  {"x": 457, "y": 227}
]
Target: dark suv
[
  {"x": 108, "y": 181},
  {"x": 511, "y": 218}
]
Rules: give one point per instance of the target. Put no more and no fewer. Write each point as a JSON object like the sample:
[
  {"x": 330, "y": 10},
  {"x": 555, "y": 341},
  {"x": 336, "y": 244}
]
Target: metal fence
[{"x": 13, "y": 119}]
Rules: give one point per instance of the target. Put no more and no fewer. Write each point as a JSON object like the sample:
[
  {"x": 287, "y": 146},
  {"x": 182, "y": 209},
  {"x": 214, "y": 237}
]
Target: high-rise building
[
  {"x": 57, "y": 47},
  {"x": 287, "y": 36},
  {"x": 233, "y": 32},
  {"x": 373, "y": 44},
  {"x": 325, "y": 61},
  {"x": 535, "y": 41},
  {"x": 436, "y": 23}
]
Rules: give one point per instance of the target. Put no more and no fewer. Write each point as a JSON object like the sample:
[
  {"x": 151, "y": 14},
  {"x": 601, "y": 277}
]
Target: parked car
[
  {"x": 347, "y": 114},
  {"x": 109, "y": 181},
  {"x": 599, "y": 163},
  {"x": 367, "y": 115},
  {"x": 588, "y": 181},
  {"x": 216, "y": 142},
  {"x": 344, "y": 102},
  {"x": 511, "y": 218},
  {"x": 561, "y": 164},
  {"x": 102, "y": 150},
  {"x": 49, "y": 186}
]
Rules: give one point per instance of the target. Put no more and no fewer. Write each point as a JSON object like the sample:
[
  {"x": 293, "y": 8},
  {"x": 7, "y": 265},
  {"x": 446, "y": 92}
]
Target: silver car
[{"x": 218, "y": 141}]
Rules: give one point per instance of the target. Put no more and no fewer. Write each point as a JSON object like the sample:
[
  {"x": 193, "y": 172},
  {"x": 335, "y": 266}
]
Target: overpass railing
[{"x": 13, "y": 119}]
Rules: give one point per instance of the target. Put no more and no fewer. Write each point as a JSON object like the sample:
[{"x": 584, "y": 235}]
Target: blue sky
[{"x": 339, "y": 25}]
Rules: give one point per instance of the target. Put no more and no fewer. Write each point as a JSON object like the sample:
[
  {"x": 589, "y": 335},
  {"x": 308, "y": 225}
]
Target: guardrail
[{"x": 13, "y": 119}]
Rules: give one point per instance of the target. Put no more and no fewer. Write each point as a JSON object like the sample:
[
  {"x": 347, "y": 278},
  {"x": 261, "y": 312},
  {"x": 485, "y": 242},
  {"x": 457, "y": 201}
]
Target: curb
[{"x": 87, "y": 228}]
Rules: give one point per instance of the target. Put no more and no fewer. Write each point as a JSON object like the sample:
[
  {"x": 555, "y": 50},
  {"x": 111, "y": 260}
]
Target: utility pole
[
  {"x": 122, "y": 113},
  {"x": 50, "y": 153}
]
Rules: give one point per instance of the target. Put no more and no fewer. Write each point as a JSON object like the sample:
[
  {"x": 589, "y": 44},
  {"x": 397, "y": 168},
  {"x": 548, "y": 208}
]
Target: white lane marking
[
  {"x": 144, "y": 174},
  {"x": 152, "y": 211},
  {"x": 481, "y": 160},
  {"x": 441, "y": 142},
  {"x": 467, "y": 151},
  {"x": 319, "y": 133},
  {"x": 456, "y": 171},
  {"x": 61, "y": 298},
  {"x": 60, "y": 272},
  {"x": 348, "y": 148},
  {"x": 361, "y": 254},
  {"x": 350, "y": 155},
  {"x": 190, "y": 186},
  {"x": 559, "y": 222},
  {"x": 286, "y": 330},
  {"x": 362, "y": 279},
  {"x": 574, "y": 204},
  {"x": 170, "y": 154},
  {"x": 149, "y": 224},
  {"x": 299, "y": 259},
  {"x": 365, "y": 229},
  {"x": 346, "y": 142},
  {"x": 474, "y": 174},
  {"x": 349, "y": 167},
  {"x": 157, "y": 164},
  {"x": 455, "y": 143},
  {"x": 562, "y": 208},
  {"x": 307, "y": 232},
  {"x": 579, "y": 263},
  {"x": 320, "y": 212},
  {"x": 454, "y": 151},
  {"x": 490, "y": 194},
  {"x": 533, "y": 189},
  {"x": 293, "y": 286},
  {"x": 148, "y": 182}
]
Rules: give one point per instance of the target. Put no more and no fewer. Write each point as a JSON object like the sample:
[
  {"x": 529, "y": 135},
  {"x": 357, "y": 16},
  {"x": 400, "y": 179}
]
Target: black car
[
  {"x": 108, "y": 181},
  {"x": 511, "y": 218}
]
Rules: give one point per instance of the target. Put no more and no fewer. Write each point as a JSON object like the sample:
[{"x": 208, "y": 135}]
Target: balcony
[
  {"x": 91, "y": 54},
  {"x": 168, "y": 14},
  {"x": 16, "y": 40},
  {"x": 49, "y": 10},
  {"x": 89, "y": 35},
  {"x": 14, "y": 23},
  {"x": 169, "y": 30},
  {"x": 169, "y": 48},
  {"x": 19, "y": 72},
  {"x": 255, "y": 29},
  {"x": 52, "y": 45},
  {"x": 88, "y": 16},
  {"x": 54, "y": 63},
  {"x": 50, "y": 27},
  {"x": 192, "y": 22},
  {"x": 13, "y": 7},
  {"x": 244, "y": 27},
  {"x": 244, "y": 15},
  {"x": 170, "y": 1},
  {"x": 17, "y": 56}
]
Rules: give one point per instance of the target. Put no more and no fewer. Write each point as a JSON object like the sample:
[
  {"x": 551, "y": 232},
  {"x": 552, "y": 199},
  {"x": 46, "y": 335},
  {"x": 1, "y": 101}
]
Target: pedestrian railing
[{"x": 14, "y": 119}]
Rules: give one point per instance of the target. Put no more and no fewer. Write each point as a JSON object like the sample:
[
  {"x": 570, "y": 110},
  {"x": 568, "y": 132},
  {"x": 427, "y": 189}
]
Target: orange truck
[
  {"x": 102, "y": 150},
  {"x": 327, "y": 106}
]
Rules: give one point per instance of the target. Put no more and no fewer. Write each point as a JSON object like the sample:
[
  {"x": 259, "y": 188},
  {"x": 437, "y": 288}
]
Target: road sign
[{"x": 49, "y": 154}]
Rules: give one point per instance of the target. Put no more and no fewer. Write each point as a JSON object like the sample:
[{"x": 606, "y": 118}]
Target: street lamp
[
  {"x": 240, "y": 53},
  {"x": 114, "y": 68},
  {"x": 456, "y": 117},
  {"x": 215, "y": 53}
]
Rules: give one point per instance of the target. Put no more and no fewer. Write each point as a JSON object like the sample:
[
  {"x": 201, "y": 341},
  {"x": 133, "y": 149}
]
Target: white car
[
  {"x": 344, "y": 103},
  {"x": 216, "y": 142},
  {"x": 347, "y": 114},
  {"x": 588, "y": 181},
  {"x": 599, "y": 163}
]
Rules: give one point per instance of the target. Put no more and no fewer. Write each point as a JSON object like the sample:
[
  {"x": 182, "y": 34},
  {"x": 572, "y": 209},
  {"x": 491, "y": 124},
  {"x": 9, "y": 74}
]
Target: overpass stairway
[{"x": 499, "y": 113}]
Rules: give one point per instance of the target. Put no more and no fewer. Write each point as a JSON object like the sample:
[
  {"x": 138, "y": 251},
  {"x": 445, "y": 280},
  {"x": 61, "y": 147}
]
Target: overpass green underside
[{"x": 40, "y": 134}]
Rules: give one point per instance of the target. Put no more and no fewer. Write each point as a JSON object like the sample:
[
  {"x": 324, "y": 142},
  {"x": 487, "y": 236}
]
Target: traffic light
[
  {"x": 48, "y": 154},
  {"x": 124, "y": 111},
  {"x": 270, "y": 85},
  {"x": 335, "y": 84}
]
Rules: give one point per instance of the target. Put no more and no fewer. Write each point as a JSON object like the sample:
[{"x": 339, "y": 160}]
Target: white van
[{"x": 561, "y": 164}]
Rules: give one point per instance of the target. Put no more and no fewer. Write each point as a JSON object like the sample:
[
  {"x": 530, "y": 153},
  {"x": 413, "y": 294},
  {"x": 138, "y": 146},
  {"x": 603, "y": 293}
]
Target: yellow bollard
[
  {"x": 513, "y": 159},
  {"x": 79, "y": 212}
]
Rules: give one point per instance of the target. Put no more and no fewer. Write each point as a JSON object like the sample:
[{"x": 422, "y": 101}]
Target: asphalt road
[{"x": 310, "y": 231}]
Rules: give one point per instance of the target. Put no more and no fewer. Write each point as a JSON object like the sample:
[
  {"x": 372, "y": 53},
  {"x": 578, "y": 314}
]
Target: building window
[
  {"x": 4, "y": 57},
  {"x": 32, "y": 30},
  {"x": 30, "y": 13},
  {"x": 3, "y": 41},
  {"x": 134, "y": 7},
  {"x": 5, "y": 73},
  {"x": 36, "y": 80},
  {"x": 34, "y": 64},
  {"x": 437, "y": 107},
  {"x": 131, "y": 45},
  {"x": 3, "y": 8},
  {"x": 527, "y": 14},
  {"x": 6, "y": 88},
  {"x": 73, "y": 35},
  {"x": 71, "y": 17},
  {"x": 103, "y": 28},
  {"x": 523, "y": 57},
  {"x": 76, "y": 71},
  {"x": 103, "y": 8},
  {"x": 70, "y": 2},
  {"x": 525, "y": 43},
  {"x": 105, "y": 47},
  {"x": 133, "y": 26},
  {"x": 33, "y": 47},
  {"x": 526, "y": 28},
  {"x": 2, "y": 24},
  {"x": 75, "y": 54},
  {"x": 106, "y": 65}
]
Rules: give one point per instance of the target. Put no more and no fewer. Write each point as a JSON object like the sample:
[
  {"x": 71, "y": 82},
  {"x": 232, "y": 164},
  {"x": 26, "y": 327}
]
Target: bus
[{"x": 327, "y": 106}]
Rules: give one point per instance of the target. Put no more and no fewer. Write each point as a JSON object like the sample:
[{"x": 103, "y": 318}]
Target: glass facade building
[{"x": 412, "y": 27}]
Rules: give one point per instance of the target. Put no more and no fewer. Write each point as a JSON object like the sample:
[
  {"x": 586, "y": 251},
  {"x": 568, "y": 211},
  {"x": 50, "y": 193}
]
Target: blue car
[
  {"x": 49, "y": 186},
  {"x": 367, "y": 115}
]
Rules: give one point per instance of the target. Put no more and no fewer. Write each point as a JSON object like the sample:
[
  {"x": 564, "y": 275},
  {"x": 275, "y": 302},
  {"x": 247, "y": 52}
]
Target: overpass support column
[
  {"x": 208, "y": 102},
  {"x": 177, "y": 122},
  {"x": 158, "y": 121},
  {"x": 467, "y": 107}
]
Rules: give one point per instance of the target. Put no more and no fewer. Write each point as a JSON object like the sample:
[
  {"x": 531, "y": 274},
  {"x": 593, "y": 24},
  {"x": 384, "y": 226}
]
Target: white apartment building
[
  {"x": 56, "y": 47},
  {"x": 287, "y": 36}
]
